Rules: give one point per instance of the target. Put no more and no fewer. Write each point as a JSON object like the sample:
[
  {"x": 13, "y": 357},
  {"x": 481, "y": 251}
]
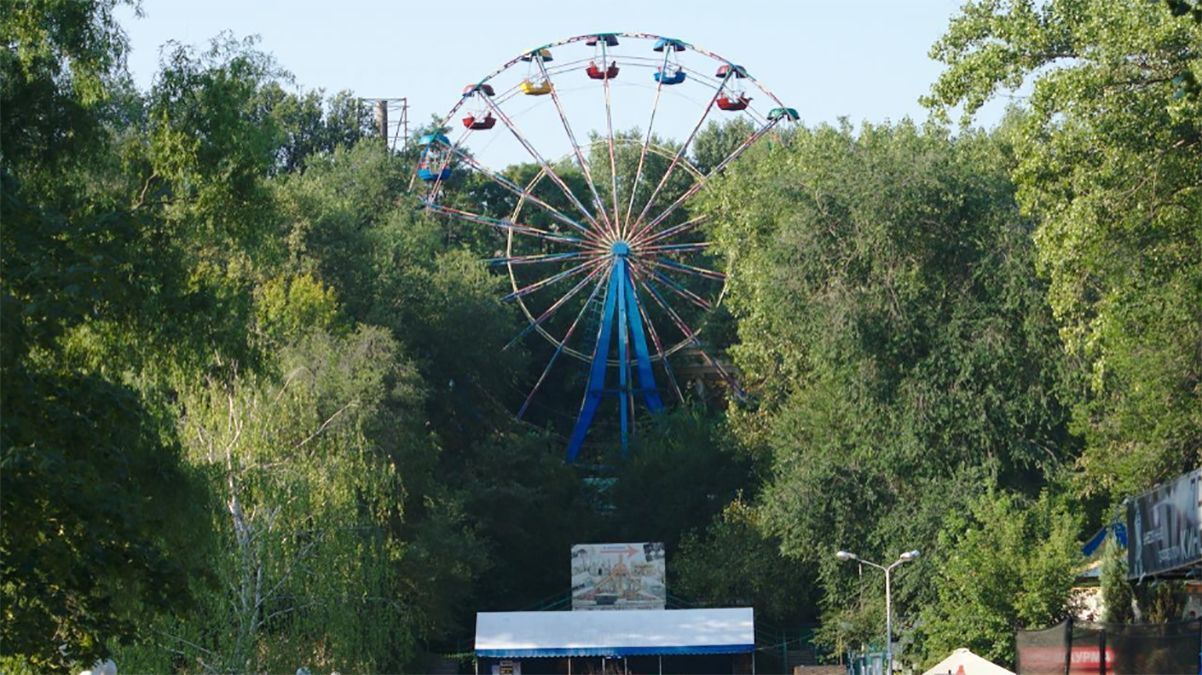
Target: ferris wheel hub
[{"x": 620, "y": 248}]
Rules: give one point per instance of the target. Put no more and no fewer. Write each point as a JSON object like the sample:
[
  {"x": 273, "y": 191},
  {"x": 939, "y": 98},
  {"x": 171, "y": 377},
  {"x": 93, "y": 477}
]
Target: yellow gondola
[{"x": 535, "y": 89}]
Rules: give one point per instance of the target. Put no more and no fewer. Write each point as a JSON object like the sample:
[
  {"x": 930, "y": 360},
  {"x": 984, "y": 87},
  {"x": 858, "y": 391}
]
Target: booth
[{"x": 632, "y": 641}]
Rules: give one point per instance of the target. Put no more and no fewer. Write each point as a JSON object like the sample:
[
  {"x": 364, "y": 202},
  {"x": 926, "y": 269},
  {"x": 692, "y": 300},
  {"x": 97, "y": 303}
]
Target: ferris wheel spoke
[
  {"x": 659, "y": 347},
  {"x": 691, "y": 336},
  {"x": 609, "y": 124},
  {"x": 567, "y": 191},
  {"x": 508, "y": 226},
  {"x": 540, "y": 258},
  {"x": 676, "y": 248},
  {"x": 645, "y": 239},
  {"x": 570, "y": 272},
  {"x": 684, "y": 148},
  {"x": 523, "y": 193},
  {"x": 550, "y": 311},
  {"x": 580, "y": 161},
  {"x": 678, "y": 289},
  {"x": 688, "y": 269},
  {"x": 701, "y": 183},
  {"x": 563, "y": 343},
  {"x": 638, "y": 172}
]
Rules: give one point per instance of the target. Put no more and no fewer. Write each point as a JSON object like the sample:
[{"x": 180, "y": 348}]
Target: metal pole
[
  {"x": 888, "y": 624},
  {"x": 661, "y": 664},
  {"x": 404, "y": 121}
]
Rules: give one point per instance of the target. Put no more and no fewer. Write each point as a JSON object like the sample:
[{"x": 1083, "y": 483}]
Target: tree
[
  {"x": 1110, "y": 162},
  {"x": 734, "y": 563},
  {"x": 99, "y": 512},
  {"x": 895, "y": 342},
  {"x": 1117, "y": 597},
  {"x": 312, "y": 555},
  {"x": 1007, "y": 563}
]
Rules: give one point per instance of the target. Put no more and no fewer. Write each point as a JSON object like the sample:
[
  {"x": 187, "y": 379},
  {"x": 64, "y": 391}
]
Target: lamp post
[{"x": 906, "y": 557}]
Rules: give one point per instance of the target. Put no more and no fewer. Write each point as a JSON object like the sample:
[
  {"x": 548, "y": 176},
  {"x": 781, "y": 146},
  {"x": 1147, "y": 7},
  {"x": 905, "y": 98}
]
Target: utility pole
[
  {"x": 382, "y": 119},
  {"x": 389, "y": 131}
]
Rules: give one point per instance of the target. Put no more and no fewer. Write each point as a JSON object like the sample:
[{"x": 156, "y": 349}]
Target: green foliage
[
  {"x": 734, "y": 563},
  {"x": 529, "y": 508},
  {"x": 680, "y": 474},
  {"x": 1110, "y": 160},
  {"x": 1117, "y": 597},
  {"x": 896, "y": 340},
  {"x": 1007, "y": 563},
  {"x": 100, "y": 518},
  {"x": 291, "y": 307},
  {"x": 307, "y": 466}
]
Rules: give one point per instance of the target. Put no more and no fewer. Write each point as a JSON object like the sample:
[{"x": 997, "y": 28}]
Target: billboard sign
[
  {"x": 1164, "y": 527},
  {"x": 618, "y": 576}
]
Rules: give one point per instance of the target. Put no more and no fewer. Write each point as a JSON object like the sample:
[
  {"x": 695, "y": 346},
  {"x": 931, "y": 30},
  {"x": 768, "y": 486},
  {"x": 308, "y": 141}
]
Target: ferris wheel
[{"x": 604, "y": 259}]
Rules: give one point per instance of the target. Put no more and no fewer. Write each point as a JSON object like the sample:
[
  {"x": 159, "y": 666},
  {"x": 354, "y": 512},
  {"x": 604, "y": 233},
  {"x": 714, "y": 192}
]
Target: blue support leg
[
  {"x": 620, "y": 273},
  {"x": 643, "y": 358},
  {"x": 596, "y": 378}
]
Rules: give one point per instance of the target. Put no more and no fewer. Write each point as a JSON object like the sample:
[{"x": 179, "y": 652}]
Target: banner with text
[{"x": 1164, "y": 527}]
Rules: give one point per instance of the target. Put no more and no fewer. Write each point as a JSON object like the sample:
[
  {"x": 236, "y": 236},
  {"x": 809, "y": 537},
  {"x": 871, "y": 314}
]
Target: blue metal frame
[{"x": 621, "y": 311}]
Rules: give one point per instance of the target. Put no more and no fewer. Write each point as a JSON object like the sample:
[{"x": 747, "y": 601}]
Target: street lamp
[{"x": 908, "y": 556}]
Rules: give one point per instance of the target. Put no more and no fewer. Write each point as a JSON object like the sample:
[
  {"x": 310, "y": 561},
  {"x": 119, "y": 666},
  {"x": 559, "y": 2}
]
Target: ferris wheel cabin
[
  {"x": 597, "y": 74},
  {"x": 481, "y": 118},
  {"x": 434, "y": 164}
]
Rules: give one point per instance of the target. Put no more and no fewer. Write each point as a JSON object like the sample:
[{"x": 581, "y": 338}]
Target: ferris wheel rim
[{"x": 581, "y": 38}]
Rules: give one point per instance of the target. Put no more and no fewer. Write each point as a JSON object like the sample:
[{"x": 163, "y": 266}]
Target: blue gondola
[
  {"x": 431, "y": 139},
  {"x": 436, "y": 148},
  {"x": 672, "y": 77},
  {"x": 426, "y": 174}
]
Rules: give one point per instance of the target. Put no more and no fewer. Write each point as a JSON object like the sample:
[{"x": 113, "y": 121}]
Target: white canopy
[
  {"x": 964, "y": 662},
  {"x": 615, "y": 632}
]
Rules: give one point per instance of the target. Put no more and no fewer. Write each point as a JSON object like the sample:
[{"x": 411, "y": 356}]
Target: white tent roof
[
  {"x": 964, "y": 662},
  {"x": 615, "y": 632}
]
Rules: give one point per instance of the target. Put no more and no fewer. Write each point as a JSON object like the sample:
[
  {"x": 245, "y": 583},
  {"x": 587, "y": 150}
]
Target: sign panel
[
  {"x": 1164, "y": 527},
  {"x": 618, "y": 576}
]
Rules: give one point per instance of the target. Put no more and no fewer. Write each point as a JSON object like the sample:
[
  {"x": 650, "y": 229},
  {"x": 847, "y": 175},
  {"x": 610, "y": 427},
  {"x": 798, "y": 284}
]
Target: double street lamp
[{"x": 906, "y": 557}]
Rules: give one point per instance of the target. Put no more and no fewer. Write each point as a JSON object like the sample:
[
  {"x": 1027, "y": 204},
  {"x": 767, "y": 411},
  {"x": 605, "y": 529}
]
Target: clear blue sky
[{"x": 866, "y": 61}]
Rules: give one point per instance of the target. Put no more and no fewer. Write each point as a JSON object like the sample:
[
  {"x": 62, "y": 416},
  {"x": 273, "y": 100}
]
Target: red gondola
[
  {"x": 738, "y": 103},
  {"x": 477, "y": 123},
  {"x": 597, "y": 74}
]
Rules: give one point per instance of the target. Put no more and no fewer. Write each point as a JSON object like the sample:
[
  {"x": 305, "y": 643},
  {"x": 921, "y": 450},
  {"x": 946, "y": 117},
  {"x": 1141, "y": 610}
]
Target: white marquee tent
[{"x": 964, "y": 662}]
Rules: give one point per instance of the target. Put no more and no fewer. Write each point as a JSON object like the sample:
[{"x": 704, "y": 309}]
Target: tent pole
[
  {"x": 753, "y": 662},
  {"x": 476, "y": 665},
  {"x": 661, "y": 664},
  {"x": 569, "y": 665}
]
